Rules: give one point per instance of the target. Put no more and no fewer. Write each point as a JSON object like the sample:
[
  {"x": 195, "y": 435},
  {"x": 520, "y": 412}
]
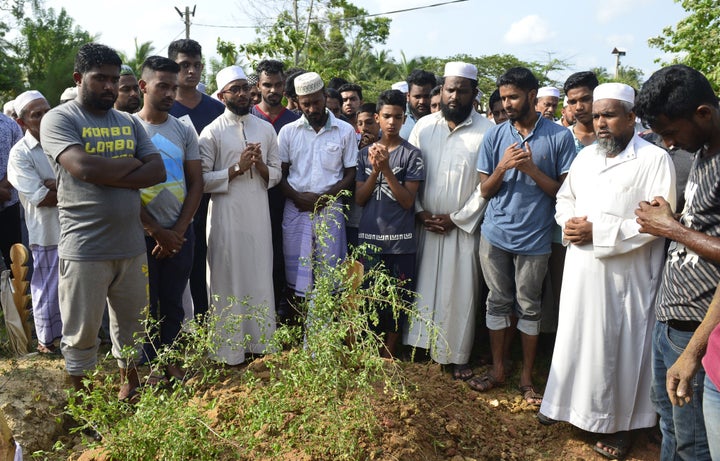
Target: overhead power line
[{"x": 369, "y": 15}]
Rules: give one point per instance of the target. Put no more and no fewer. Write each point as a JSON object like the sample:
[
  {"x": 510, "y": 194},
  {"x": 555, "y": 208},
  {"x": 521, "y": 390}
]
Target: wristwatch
[{"x": 236, "y": 168}]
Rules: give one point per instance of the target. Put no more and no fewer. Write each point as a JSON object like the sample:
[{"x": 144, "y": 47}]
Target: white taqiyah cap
[
  {"x": 308, "y": 83},
  {"x": 9, "y": 108},
  {"x": 400, "y": 86},
  {"x": 460, "y": 69},
  {"x": 619, "y": 91},
  {"x": 69, "y": 94},
  {"x": 26, "y": 98},
  {"x": 548, "y": 91},
  {"x": 227, "y": 75}
]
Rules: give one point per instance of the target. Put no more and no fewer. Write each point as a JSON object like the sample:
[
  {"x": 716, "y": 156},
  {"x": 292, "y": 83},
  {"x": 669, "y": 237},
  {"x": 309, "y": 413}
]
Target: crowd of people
[{"x": 142, "y": 190}]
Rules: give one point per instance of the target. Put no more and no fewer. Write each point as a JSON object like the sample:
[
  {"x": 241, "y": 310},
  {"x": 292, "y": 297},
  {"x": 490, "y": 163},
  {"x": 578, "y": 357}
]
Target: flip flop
[
  {"x": 484, "y": 383},
  {"x": 528, "y": 392},
  {"x": 618, "y": 442},
  {"x": 462, "y": 372}
]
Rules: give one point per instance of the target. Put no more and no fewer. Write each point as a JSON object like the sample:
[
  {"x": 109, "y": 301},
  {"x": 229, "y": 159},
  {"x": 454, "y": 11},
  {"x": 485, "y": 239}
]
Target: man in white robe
[
  {"x": 600, "y": 377},
  {"x": 240, "y": 162},
  {"x": 449, "y": 208}
]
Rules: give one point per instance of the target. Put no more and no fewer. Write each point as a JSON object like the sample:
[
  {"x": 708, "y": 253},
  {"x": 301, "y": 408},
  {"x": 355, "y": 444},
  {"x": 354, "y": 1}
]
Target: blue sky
[{"x": 582, "y": 33}]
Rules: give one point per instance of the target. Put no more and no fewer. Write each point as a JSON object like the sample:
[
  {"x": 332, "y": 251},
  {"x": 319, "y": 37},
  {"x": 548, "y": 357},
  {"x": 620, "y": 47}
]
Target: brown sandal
[
  {"x": 530, "y": 395},
  {"x": 484, "y": 383}
]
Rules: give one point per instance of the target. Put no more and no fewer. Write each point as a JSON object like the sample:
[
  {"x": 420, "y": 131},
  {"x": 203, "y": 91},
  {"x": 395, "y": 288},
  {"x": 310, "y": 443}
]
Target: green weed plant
[{"x": 310, "y": 398}]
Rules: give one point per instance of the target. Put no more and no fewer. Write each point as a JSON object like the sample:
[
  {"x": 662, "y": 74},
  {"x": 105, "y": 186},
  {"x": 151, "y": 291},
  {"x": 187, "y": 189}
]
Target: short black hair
[
  {"x": 290, "y": 83},
  {"x": 186, "y": 46},
  {"x": 675, "y": 92},
  {"x": 584, "y": 79},
  {"x": 159, "y": 64},
  {"x": 270, "y": 67},
  {"x": 332, "y": 93},
  {"x": 436, "y": 90},
  {"x": 421, "y": 77},
  {"x": 520, "y": 77},
  {"x": 494, "y": 97},
  {"x": 92, "y": 55},
  {"x": 336, "y": 82},
  {"x": 351, "y": 87},
  {"x": 368, "y": 107},
  {"x": 392, "y": 98}
]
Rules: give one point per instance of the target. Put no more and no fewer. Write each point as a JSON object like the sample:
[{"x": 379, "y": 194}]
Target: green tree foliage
[
  {"x": 46, "y": 49},
  {"x": 695, "y": 40},
  {"x": 142, "y": 52},
  {"x": 11, "y": 77},
  {"x": 326, "y": 35},
  {"x": 626, "y": 74}
]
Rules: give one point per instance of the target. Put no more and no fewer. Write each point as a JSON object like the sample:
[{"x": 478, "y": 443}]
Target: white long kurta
[
  {"x": 600, "y": 375},
  {"x": 239, "y": 254},
  {"x": 448, "y": 274}
]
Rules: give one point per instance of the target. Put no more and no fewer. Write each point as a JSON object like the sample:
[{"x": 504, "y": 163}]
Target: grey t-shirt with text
[{"x": 97, "y": 222}]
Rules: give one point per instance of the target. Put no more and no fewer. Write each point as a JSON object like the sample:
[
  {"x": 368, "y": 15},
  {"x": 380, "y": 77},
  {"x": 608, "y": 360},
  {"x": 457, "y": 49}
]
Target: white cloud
[
  {"x": 529, "y": 30},
  {"x": 613, "y": 9}
]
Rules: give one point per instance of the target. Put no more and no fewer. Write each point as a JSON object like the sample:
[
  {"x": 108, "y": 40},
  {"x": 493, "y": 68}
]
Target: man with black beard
[
  {"x": 128, "y": 99},
  {"x": 101, "y": 157},
  {"x": 449, "y": 207},
  {"x": 521, "y": 164},
  {"x": 240, "y": 162}
]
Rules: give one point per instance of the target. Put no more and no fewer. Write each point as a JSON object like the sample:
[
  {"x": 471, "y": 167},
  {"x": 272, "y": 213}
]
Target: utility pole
[
  {"x": 618, "y": 53},
  {"x": 186, "y": 18}
]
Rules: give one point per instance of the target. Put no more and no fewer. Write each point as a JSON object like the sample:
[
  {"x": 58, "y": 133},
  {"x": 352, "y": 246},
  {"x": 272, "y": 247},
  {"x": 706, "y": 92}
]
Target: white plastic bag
[{"x": 16, "y": 333}]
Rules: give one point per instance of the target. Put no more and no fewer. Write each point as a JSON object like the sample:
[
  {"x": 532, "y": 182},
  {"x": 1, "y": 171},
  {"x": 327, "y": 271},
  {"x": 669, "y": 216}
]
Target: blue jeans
[
  {"x": 711, "y": 410},
  {"x": 683, "y": 428}
]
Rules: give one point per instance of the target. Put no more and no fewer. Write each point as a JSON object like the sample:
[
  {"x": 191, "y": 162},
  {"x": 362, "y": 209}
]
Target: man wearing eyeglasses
[
  {"x": 240, "y": 162},
  {"x": 193, "y": 106}
]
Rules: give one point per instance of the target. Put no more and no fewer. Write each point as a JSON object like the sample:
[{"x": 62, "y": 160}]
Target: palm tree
[{"x": 141, "y": 54}]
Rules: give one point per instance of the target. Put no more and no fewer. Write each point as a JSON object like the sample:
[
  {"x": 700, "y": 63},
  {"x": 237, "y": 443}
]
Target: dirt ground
[{"x": 442, "y": 420}]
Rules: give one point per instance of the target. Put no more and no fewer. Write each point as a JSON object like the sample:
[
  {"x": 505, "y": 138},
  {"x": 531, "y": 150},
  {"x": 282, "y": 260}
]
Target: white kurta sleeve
[
  {"x": 24, "y": 177},
  {"x": 215, "y": 181},
  {"x": 470, "y": 215},
  {"x": 615, "y": 233}
]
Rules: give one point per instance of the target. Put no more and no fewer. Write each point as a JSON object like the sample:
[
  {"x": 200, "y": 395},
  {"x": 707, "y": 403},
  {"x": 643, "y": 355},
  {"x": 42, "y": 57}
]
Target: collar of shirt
[
  {"x": 540, "y": 120},
  {"x": 331, "y": 121},
  {"x": 30, "y": 140}
]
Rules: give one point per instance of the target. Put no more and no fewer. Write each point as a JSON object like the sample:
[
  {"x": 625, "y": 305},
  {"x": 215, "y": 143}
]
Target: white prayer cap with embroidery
[
  {"x": 460, "y": 69},
  {"x": 619, "y": 91},
  {"x": 400, "y": 86},
  {"x": 69, "y": 94},
  {"x": 308, "y": 83},
  {"x": 548, "y": 91},
  {"x": 26, "y": 98},
  {"x": 227, "y": 75}
]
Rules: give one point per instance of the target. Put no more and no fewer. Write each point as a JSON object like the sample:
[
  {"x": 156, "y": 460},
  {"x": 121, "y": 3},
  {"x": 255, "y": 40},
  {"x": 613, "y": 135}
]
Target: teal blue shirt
[{"x": 520, "y": 217}]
